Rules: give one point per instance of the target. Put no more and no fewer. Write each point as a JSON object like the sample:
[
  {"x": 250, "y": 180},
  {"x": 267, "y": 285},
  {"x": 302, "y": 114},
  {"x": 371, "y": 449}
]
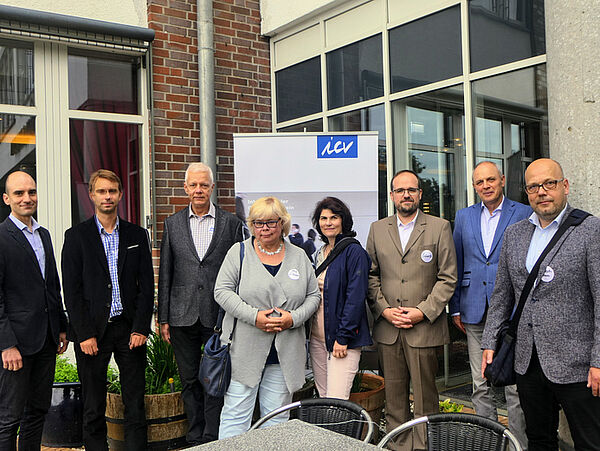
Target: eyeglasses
[
  {"x": 271, "y": 224},
  {"x": 401, "y": 191},
  {"x": 548, "y": 185}
]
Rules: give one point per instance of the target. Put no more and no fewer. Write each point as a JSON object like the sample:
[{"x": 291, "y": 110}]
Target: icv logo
[{"x": 337, "y": 146}]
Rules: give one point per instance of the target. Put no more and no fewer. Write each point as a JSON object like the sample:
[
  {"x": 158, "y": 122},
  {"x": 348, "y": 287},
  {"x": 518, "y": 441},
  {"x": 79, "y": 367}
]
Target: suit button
[
  {"x": 487, "y": 263},
  {"x": 109, "y": 286},
  {"x": 484, "y": 282},
  {"x": 533, "y": 300},
  {"x": 201, "y": 288},
  {"x": 46, "y": 310},
  {"x": 530, "y": 325},
  {"x": 403, "y": 261},
  {"x": 403, "y": 281},
  {"x": 108, "y": 305}
]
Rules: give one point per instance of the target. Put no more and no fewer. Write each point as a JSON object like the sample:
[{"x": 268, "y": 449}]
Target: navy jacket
[{"x": 344, "y": 295}]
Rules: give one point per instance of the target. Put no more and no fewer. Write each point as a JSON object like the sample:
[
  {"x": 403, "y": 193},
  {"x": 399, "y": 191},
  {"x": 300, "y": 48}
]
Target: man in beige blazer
[{"x": 412, "y": 278}]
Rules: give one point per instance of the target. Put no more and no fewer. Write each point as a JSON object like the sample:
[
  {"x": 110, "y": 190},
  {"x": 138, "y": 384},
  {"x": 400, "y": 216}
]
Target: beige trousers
[{"x": 333, "y": 376}]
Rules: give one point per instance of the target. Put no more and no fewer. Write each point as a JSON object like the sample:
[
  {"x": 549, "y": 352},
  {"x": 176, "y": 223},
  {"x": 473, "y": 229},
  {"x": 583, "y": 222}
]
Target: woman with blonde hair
[{"x": 268, "y": 295}]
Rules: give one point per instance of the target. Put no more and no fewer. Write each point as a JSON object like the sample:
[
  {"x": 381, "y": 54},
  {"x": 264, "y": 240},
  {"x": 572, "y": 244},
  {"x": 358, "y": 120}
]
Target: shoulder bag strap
[
  {"x": 575, "y": 218},
  {"x": 337, "y": 249},
  {"x": 219, "y": 324}
]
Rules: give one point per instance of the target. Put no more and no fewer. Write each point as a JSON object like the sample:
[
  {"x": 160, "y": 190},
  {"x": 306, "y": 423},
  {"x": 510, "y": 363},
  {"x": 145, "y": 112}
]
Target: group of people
[{"x": 274, "y": 297}]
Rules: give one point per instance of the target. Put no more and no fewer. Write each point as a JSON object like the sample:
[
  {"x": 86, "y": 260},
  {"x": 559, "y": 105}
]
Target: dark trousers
[
  {"x": 203, "y": 411},
  {"x": 25, "y": 398},
  {"x": 92, "y": 373},
  {"x": 541, "y": 399}
]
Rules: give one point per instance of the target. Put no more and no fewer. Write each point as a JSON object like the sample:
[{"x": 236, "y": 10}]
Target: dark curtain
[{"x": 104, "y": 145}]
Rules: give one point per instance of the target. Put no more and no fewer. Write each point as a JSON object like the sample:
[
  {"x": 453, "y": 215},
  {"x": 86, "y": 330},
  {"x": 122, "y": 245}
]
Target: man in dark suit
[
  {"x": 109, "y": 288},
  {"x": 32, "y": 321},
  {"x": 557, "y": 351},
  {"x": 478, "y": 232},
  {"x": 194, "y": 244},
  {"x": 296, "y": 237}
]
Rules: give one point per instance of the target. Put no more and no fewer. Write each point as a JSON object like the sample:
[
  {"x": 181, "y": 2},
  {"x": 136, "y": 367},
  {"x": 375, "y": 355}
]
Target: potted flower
[
  {"x": 64, "y": 421},
  {"x": 167, "y": 422}
]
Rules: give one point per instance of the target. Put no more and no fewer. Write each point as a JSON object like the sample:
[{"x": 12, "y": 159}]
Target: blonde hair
[{"x": 265, "y": 207}]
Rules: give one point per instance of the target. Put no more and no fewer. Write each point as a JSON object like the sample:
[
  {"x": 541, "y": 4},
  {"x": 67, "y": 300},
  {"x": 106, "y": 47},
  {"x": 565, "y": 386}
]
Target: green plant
[
  {"x": 447, "y": 406},
  {"x": 65, "y": 371},
  {"x": 161, "y": 369}
]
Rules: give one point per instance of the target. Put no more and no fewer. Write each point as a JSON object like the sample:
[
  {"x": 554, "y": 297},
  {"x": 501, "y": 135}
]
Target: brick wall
[{"x": 242, "y": 92}]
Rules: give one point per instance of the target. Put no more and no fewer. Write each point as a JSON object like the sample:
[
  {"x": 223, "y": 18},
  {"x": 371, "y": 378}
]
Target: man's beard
[{"x": 407, "y": 210}]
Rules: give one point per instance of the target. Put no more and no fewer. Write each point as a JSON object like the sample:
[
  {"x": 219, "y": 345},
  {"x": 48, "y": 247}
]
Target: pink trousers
[{"x": 333, "y": 376}]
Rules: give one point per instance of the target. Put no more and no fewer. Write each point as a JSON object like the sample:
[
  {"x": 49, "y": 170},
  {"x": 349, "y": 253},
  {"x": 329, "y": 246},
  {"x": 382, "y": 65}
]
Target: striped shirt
[
  {"x": 35, "y": 240},
  {"x": 111, "y": 249},
  {"x": 202, "y": 228}
]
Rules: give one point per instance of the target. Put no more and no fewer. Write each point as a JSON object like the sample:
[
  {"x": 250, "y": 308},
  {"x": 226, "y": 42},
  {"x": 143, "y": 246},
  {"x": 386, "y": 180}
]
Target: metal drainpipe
[{"x": 206, "y": 83}]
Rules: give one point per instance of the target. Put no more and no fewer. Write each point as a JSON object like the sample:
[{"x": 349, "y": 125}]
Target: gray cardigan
[{"x": 294, "y": 289}]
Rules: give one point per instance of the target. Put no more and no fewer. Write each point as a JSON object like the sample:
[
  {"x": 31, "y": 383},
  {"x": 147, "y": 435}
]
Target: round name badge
[
  {"x": 548, "y": 274},
  {"x": 293, "y": 274},
  {"x": 426, "y": 256}
]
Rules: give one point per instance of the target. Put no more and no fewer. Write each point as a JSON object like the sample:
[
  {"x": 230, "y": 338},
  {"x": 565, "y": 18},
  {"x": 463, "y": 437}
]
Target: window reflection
[
  {"x": 17, "y": 150},
  {"x": 16, "y": 73},
  {"x": 104, "y": 145},
  {"x": 511, "y": 123},
  {"x": 310, "y": 126},
  {"x": 368, "y": 119},
  {"x": 429, "y": 139},
  {"x": 502, "y": 31},
  {"x": 355, "y": 73},
  {"x": 102, "y": 83},
  {"x": 426, "y": 50},
  {"x": 299, "y": 90}
]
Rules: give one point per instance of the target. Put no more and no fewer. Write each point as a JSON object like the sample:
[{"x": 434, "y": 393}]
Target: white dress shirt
[
  {"x": 541, "y": 237},
  {"x": 489, "y": 224},
  {"x": 202, "y": 228},
  {"x": 404, "y": 230}
]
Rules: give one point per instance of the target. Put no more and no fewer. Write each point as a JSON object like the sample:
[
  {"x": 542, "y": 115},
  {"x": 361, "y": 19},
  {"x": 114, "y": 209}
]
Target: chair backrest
[
  {"x": 459, "y": 431},
  {"x": 337, "y": 415}
]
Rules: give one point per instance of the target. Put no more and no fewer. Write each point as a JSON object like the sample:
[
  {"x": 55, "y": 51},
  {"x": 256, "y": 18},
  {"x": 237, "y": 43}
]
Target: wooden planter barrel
[
  {"x": 167, "y": 422},
  {"x": 373, "y": 399}
]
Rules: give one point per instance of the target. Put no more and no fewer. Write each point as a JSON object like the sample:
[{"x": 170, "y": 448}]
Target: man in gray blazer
[
  {"x": 195, "y": 242},
  {"x": 557, "y": 354}
]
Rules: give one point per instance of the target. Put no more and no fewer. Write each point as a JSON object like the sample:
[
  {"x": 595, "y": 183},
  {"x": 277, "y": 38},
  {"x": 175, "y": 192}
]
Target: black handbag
[
  {"x": 501, "y": 372},
  {"x": 215, "y": 365}
]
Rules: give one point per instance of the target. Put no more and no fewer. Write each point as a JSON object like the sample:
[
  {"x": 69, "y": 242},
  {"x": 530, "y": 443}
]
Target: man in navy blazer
[
  {"x": 32, "y": 321},
  {"x": 478, "y": 233},
  {"x": 109, "y": 291}
]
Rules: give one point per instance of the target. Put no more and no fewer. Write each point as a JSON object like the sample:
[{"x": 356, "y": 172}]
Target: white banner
[{"x": 302, "y": 169}]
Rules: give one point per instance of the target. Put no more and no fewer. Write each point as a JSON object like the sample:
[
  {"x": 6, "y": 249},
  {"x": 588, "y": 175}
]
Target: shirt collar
[
  {"x": 498, "y": 208},
  {"x": 21, "y": 225},
  {"x": 101, "y": 227},
  {"x": 536, "y": 221},
  {"x": 411, "y": 222},
  {"x": 212, "y": 212}
]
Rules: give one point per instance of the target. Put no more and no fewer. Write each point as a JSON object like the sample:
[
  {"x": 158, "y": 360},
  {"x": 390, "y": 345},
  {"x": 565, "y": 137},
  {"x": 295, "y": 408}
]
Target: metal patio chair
[
  {"x": 337, "y": 415},
  {"x": 460, "y": 432}
]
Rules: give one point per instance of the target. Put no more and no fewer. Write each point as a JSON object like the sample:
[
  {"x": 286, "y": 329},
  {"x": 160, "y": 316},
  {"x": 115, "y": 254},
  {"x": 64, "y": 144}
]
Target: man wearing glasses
[
  {"x": 412, "y": 278},
  {"x": 557, "y": 355},
  {"x": 195, "y": 241}
]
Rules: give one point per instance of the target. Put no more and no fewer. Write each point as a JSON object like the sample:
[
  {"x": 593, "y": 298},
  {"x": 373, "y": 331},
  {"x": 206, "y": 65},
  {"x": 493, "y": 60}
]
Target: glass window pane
[
  {"x": 426, "y": 50},
  {"x": 17, "y": 150},
  {"x": 16, "y": 73},
  {"x": 103, "y": 83},
  {"x": 503, "y": 31},
  {"x": 429, "y": 139},
  {"x": 299, "y": 90},
  {"x": 511, "y": 123},
  {"x": 367, "y": 119},
  {"x": 310, "y": 126},
  {"x": 104, "y": 145},
  {"x": 355, "y": 73}
]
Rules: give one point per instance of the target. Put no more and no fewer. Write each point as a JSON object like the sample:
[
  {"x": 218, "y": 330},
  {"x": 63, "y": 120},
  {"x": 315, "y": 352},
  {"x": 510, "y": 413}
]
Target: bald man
[
  {"x": 32, "y": 321},
  {"x": 557, "y": 354},
  {"x": 478, "y": 233}
]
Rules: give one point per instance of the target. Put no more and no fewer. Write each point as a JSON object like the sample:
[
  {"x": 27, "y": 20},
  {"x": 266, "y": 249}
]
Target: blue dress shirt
[
  {"x": 34, "y": 239},
  {"x": 110, "y": 242},
  {"x": 541, "y": 237}
]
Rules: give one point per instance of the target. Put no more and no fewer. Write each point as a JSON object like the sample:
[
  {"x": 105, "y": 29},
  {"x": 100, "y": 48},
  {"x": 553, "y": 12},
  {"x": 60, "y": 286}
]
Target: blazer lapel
[
  {"x": 217, "y": 232},
  {"x": 95, "y": 242},
  {"x": 20, "y": 238},
  {"x": 123, "y": 236},
  {"x": 417, "y": 231},
  {"x": 476, "y": 227},
  {"x": 47, "y": 251},
  {"x": 507, "y": 211},
  {"x": 188, "y": 232},
  {"x": 393, "y": 229}
]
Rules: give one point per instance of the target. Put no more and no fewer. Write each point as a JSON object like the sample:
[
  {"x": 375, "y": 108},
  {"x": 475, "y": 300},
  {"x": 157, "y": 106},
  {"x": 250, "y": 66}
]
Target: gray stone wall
[{"x": 573, "y": 52}]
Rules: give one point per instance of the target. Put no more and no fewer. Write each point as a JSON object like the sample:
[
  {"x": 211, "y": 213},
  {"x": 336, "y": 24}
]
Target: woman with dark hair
[{"x": 340, "y": 327}]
